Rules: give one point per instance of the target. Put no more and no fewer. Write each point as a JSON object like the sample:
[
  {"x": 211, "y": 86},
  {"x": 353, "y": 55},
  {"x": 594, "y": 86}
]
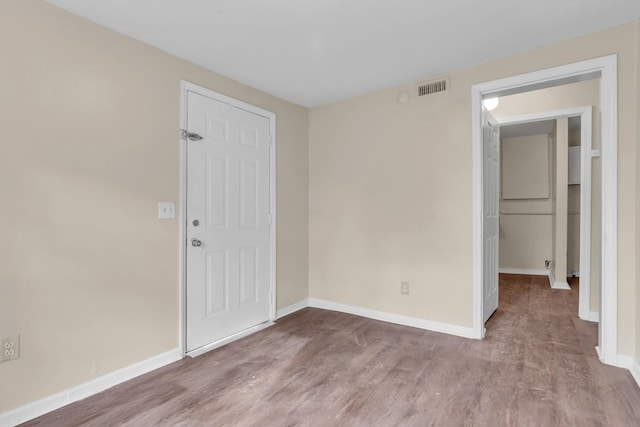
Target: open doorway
[
  {"x": 606, "y": 69},
  {"x": 546, "y": 220}
]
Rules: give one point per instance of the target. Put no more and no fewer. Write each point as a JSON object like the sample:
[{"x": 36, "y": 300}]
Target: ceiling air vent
[{"x": 433, "y": 86}]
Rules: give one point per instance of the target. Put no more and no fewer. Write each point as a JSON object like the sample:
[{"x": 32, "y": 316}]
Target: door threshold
[{"x": 224, "y": 341}]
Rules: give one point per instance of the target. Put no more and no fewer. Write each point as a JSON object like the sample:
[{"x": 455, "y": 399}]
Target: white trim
[
  {"x": 523, "y": 271},
  {"x": 82, "y": 391},
  {"x": 226, "y": 340},
  {"x": 584, "y": 290},
  {"x": 606, "y": 68},
  {"x": 182, "y": 231},
  {"x": 428, "y": 325},
  {"x": 635, "y": 370},
  {"x": 561, "y": 285},
  {"x": 273, "y": 210},
  {"x": 585, "y": 114},
  {"x": 557, "y": 284},
  {"x": 591, "y": 316},
  {"x": 296, "y": 306},
  {"x": 609, "y": 236},
  {"x": 477, "y": 211},
  {"x": 552, "y": 278},
  {"x": 624, "y": 361},
  {"x": 190, "y": 87}
]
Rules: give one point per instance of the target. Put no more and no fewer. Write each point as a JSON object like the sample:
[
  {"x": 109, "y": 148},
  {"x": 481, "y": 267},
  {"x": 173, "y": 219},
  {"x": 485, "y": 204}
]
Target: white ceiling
[{"x": 314, "y": 52}]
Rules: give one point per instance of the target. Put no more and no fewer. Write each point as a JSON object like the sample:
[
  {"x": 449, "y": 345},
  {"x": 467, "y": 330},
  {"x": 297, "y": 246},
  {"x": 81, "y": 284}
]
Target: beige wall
[
  {"x": 90, "y": 145},
  {"x": 90, "y": 118},
  {"x": 526, "y": 222},
  {"x": 525, "y": 168},
  {"x": 525, "y": 241},
  {"x": 390, "y": 190}
]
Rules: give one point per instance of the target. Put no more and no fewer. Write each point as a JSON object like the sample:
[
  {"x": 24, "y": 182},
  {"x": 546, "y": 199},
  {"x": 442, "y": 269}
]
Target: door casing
[
  {"x": 191, "y": 87},
  {"x": 606, "y": 69}
]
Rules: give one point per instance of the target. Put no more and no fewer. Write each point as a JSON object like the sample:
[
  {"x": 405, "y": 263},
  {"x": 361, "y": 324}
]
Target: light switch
[{"x": 166, "y": 210}]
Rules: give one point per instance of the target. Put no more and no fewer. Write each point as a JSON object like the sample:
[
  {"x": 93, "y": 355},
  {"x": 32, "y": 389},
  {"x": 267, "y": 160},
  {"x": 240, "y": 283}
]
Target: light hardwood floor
[{"x": 536, "y": 367}]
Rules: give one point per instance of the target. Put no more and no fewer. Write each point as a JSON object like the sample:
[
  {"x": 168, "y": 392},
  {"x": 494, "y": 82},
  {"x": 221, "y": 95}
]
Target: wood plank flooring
[{"x": 536, "y": 367}]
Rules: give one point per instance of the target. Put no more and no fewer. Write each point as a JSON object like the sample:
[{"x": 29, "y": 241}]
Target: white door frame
[
  {"x": 606, "y": 69},
  {"x": 186, "y": 87},
  {"x": 585, "y": 114}
]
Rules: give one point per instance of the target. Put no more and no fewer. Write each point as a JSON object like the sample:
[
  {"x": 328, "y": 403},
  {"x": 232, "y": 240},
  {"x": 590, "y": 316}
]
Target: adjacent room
[
  {"x": 304, "y": 213},
  {"x": 541, "y": 226}
]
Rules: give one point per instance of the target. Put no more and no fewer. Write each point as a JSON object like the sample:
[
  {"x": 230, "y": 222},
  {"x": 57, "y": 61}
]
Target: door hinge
[{"x": 191, "y": 136}]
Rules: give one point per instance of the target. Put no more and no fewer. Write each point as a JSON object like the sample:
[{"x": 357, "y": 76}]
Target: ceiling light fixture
[{"x": 491, "y": 103}]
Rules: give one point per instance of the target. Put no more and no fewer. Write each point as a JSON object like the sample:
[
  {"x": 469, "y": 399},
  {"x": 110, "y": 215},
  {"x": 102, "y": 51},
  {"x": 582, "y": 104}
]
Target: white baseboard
[
  {"x": 561, "y": 285},
  {"x": 592, "y": 316},
  {"x": 378, "y": 315},
  {"x": 599, "y": 353},
  {"x": 623, "y": 361},
  {"x": 523, "y": 271},
  {"x": 445, "y": 328},
  {"x": 635, "y": 370},
  {"x": 58, "y": 400},
  {"x": 552, "y": 278},
  {"x": 292, "y": 308}
]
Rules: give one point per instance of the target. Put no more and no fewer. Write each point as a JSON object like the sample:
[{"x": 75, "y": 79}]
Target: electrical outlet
[
  {"x": 547, "y": 264},
  {"x": 404, "y": 288},
  {"x": 9, "y": 348}
]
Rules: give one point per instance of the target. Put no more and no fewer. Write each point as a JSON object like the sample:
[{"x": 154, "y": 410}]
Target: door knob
[{"x": 196, "y": 242}]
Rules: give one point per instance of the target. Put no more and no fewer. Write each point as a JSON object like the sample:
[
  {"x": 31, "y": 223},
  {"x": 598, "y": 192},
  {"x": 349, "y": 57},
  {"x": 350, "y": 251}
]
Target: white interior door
[
  {"x": 490, "y": 215},
  {"x": 228, "y": 221}
]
